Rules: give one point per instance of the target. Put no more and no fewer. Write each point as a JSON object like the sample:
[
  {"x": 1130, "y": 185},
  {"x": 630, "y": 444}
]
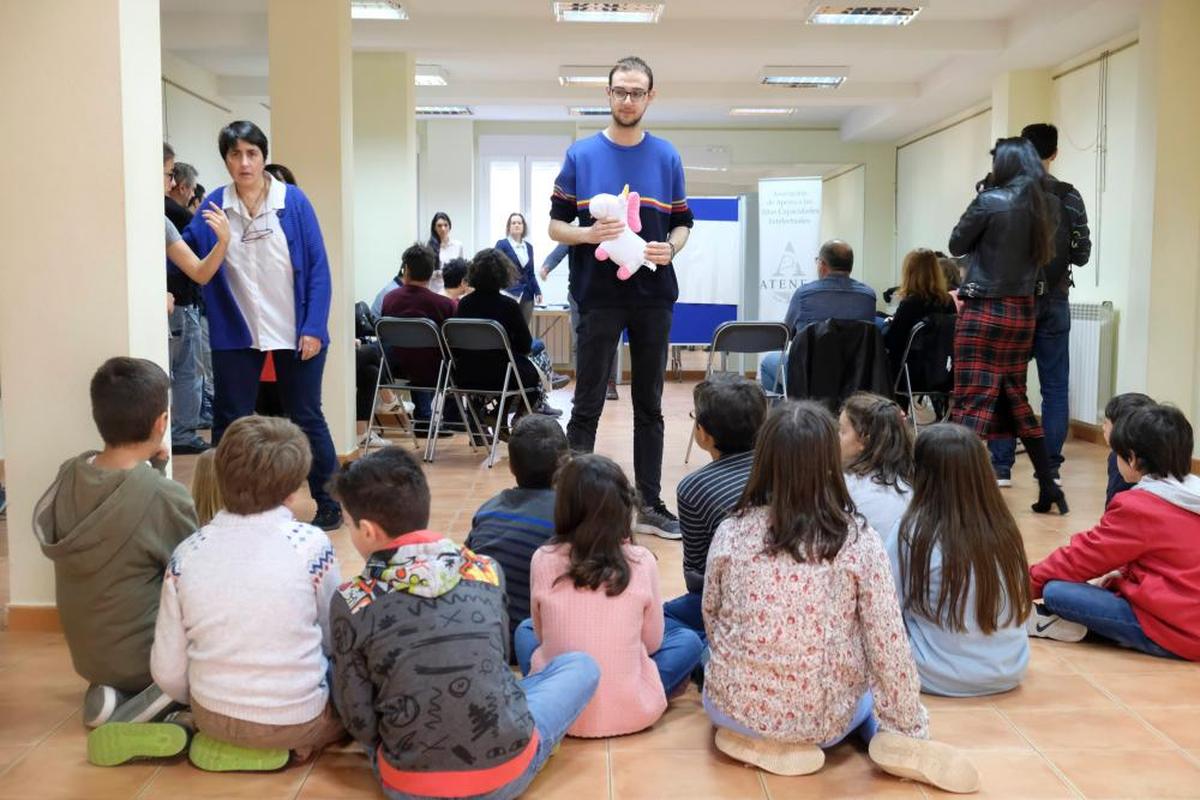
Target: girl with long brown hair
[
  {"x": 593, "y": 590},
  {"x": 806, "y": 639},
  {"x": 877, "y": 456},
  {"x": 959, "y": 564},
  {"x": 923, "y": 291},
  {"x": 1009, "y": 231}
]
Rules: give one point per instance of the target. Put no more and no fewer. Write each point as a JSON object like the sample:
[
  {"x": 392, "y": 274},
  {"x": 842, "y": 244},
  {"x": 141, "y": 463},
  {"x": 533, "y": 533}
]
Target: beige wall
[
  {"x": 447, "y": 178},
  {"x": 842, "y": 211}
]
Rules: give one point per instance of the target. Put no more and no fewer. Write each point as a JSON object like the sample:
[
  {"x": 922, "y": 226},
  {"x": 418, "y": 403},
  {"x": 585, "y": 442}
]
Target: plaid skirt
[{"x": 993, "y": 342}]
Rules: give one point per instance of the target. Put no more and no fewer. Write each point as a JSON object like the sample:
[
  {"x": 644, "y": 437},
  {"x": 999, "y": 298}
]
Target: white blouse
[
  {"x": 522, "y": 251},
  {"x": 260, "y": 271}
]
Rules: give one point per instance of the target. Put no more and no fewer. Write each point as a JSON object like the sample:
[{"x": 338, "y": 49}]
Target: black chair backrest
[
  {"x": 750, "y": 337},
  {"x": 830, "y": 360},
  {"x": 474, "y": 334},
  {"x": 408, "y": 333},
  {"x": 931, "y": 354}
]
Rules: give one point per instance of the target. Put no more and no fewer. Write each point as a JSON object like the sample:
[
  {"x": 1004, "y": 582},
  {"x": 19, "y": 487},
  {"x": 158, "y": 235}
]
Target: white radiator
[{"x": 1091, "y": 384}]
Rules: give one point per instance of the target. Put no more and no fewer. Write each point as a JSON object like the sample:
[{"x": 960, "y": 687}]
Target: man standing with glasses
[{"x": 624, "y": 154}]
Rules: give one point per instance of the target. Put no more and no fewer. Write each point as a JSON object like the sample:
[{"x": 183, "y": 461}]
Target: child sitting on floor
[
  {"x": 511, "y": 526},
  {"x": 807, "y": 642},
  {"x": 243, "y": 626},
  {"x": 420, "y": 664},
  {"x": 1114, "y": 410},
  {"x": 109, "y": 523},
  {"x": 729, "y": 411},
  {"x": 596, "y": 591},
  {"x": 1150, "y": 535},
  {"x": 205, "y": 492},
  {"x": 877, "y": 457},
  {"x": 958, "y": 560}
]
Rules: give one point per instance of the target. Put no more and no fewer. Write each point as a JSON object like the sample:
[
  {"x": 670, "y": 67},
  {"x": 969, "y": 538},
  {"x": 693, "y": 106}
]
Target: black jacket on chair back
[
  {"x": 996, "y": 231},
  {"x": 830, "y": 360}
]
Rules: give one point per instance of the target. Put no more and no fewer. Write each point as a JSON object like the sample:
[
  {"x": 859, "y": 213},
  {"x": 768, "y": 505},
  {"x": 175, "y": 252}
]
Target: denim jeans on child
[
  {"x": 686, "y": 611},
  {"x": 675, "y": 658},
  {"x": 555, "y": 697},
  {"x": 1102, "y": 612},
  {"x": 1052, "y": 351},
  {"x": 863, "y": 723}
]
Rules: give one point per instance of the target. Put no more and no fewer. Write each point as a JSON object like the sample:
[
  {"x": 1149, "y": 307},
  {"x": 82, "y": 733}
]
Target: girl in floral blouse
[{"x": 807, "y": 642}]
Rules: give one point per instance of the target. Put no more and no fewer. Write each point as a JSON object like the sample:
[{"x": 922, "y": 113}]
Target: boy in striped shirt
[{"x": 729, "y": 411}]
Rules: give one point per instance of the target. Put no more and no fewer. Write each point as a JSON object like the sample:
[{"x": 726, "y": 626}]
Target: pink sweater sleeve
[{"x": 652, "y": 620}]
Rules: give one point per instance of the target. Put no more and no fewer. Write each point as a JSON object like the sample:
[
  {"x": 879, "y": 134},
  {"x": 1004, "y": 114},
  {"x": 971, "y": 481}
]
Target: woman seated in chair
[
  {"x": 489, "y": 273},
  {"x": 922, "y": 292}
]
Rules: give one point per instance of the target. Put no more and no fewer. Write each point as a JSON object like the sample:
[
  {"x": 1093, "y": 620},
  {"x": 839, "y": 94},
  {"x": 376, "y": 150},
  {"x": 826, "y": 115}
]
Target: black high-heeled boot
[{"x": 1049, "y": 493}]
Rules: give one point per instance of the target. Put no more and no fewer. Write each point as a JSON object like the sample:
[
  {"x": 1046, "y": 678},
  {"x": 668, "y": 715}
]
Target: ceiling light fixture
[
  {"x": 805, "y": 77},
  {"x": 879, "y": 14},
  {"x": 589, "y": 111},
  {"x": 748, "y": 111},
  {"x": 429, "y": 75},
  {"x": 377, "y": 9},
  {"x": 645, "y": 13},
  {"x": 443, "y": 111},
  {"x": 583, "y": 76}
]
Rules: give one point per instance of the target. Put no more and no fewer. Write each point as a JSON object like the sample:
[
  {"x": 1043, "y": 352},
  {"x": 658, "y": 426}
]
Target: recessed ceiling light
[
  {"x": 876, "y": 14},
  {"x": 590, "y": 111},
  {"x": 443, "y": 111},
  {"x": 706, "y": 169},
  {"x": 583, "y": 76},
  {"x": 429, "y": 75},
  {"x": 805, "y": 77},
  {"x": 764, "y": 111},
  {"x": 377, "y": 9},
  {"x": 608, "y": 12}
]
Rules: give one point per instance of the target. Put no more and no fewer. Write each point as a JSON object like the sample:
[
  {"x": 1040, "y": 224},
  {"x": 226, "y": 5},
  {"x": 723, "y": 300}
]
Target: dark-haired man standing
[
  {"x": 624, "y": 154},
  {"x": 1052, "y": 336}
]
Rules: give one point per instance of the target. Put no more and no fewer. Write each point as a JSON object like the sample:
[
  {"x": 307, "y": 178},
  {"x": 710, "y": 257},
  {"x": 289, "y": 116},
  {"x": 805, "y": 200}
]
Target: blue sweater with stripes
[{"x": 654, "y": 170}]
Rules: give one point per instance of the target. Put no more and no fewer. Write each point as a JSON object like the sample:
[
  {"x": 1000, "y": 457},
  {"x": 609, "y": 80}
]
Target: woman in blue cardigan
[
  {"x": 270, "y": 294},
  {"x": 520, "y": 252}
]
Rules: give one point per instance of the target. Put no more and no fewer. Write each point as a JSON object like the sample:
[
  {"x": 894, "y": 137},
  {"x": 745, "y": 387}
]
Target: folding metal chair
[
  {"x": 407, "y": 333},
  {"x": 745, "y": 338},
  {"x": 932, "y": 342},
  {"x": 478, "y": 335}
]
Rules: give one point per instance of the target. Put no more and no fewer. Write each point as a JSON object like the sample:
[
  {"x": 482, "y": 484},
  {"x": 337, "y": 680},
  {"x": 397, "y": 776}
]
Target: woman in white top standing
[
  {"x": 270, "y": 294},
  {"x": 525, "y": 289},
  {"x": 447, "y": 249}
]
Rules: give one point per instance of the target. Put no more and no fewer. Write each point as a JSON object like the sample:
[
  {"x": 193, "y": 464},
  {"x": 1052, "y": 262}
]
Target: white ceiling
[{"x": 503, "y": 57}]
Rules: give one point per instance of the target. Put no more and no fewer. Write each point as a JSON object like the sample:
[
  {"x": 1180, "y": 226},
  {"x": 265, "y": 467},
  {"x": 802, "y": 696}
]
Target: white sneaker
[
  {"x": 372, "y": 439},
  {"x": 1044, "y": 625}
]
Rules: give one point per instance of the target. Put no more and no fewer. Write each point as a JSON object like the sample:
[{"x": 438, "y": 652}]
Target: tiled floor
[{"x": 1089, "y": 721}]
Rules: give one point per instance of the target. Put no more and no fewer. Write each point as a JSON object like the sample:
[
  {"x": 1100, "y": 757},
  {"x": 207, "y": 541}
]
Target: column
[
  {"x": 83, "y": 277},
  {"x": 1164, "y": 305},
  {"x": 308, "y": 43},
  {"x": 385, "y": 174},
  {"x": 1020, "y": 98}
]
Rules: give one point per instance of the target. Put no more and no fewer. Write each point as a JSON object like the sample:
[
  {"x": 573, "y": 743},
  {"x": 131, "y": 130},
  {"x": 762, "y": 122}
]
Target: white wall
[
  {"x": 194, "y": 113},
  {"x": 935, "y": 181},
  {"x": 1075, "y": 110},
  {"x": 843, "y": 211},
  {"x": 446, "y": 177}
]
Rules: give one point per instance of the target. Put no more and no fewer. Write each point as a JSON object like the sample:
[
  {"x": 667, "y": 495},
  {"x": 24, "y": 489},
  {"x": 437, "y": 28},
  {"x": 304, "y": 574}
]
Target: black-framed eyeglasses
[
  {"x": 621, "y": 94},
  {"x": 253, "y": 234}
]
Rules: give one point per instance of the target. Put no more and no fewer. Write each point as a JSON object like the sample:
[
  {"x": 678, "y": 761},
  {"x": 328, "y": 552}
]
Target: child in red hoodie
[{"x": 1150, "y": 537}]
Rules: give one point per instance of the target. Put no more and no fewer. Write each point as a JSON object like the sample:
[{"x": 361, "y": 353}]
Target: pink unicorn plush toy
[{"x": 627, "y": 251}]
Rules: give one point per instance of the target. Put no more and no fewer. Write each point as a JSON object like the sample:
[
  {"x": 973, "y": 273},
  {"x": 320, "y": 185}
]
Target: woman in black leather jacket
[{"x": 1008, "y": 231}]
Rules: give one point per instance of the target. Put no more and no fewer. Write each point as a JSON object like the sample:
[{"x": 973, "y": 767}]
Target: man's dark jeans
[
  {"x": 649, "y": 334},
  {"x": 1052, "y": 351}
]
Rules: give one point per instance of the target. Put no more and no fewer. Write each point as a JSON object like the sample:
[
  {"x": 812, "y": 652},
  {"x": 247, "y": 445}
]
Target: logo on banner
[{"x": 787, "y": 277}]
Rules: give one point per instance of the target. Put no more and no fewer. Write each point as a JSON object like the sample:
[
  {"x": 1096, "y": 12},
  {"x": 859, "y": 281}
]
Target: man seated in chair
[{"x": 834, "y": 295}]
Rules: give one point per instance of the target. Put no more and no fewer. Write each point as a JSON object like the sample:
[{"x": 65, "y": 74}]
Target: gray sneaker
[
  {"x": 100, "y": 703},
  {"x": 658, "y": 521}
]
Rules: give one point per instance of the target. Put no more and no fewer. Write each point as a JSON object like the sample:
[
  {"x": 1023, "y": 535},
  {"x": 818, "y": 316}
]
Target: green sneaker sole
[
  {"x": 212, "y": 755},
  {"x": 118, "y": 742}
]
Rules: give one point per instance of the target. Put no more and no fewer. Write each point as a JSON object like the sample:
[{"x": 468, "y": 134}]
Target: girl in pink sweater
[
  {"x": 593, "y": 590},
  {"x": 807, "y": 642}
]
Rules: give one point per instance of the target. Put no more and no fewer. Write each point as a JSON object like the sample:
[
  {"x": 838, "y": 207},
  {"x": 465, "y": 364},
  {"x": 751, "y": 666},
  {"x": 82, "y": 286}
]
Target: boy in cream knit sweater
[{"x": 243, "y": 623}]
